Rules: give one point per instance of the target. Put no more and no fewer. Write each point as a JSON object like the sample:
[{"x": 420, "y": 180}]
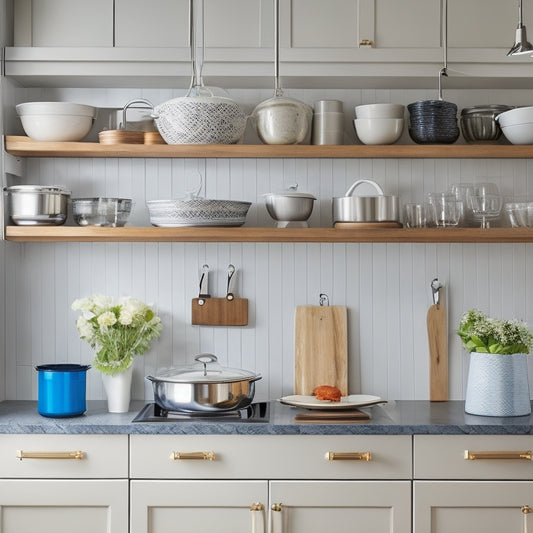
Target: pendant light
[{"x": 521, "y": 46}]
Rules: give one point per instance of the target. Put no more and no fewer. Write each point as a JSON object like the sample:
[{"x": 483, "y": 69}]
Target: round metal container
[
  {"x": 205, "y": 386},
  {"x": 290, "y": 205},
  {"x": 478, "y": 122},
  {"x": 37, "y": 205},
  {"x": 283, "y": 120},
  {"x": 379, "y": 208}
]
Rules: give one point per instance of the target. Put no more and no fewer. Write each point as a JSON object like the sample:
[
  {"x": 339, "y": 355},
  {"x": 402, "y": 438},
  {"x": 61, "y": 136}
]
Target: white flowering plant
[
  {"x": 480, "y": 333},
  {"x": 117, "y": 329}
]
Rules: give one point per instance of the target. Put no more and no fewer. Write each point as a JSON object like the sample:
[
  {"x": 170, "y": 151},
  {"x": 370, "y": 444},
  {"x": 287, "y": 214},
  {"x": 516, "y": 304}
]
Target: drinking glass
[
  {"x": 414, "y": 215},
  {"x": 445, "y": 209},
  {"x": 462, "y": 191},
  {"x": 486, "y": 207}
]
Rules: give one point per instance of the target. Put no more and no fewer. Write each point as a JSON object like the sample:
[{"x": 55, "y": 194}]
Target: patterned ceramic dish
[{"x": 197, "y": 212}]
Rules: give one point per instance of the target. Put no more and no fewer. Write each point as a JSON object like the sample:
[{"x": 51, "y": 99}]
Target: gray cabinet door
[
  {"x": 152, "y": 23},
  {"x": 63, "y": 23}
]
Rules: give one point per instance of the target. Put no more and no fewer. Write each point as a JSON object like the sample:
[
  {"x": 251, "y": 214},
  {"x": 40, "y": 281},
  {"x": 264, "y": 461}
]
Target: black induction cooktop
[{"x": 254, "y": 413}]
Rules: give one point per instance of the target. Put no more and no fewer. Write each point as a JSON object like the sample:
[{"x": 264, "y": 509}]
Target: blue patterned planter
[{"x": 498, "y": 385}]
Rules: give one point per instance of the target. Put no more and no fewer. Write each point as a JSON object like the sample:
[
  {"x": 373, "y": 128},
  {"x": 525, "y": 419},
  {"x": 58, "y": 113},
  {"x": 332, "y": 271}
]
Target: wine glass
[{"x": 486, "y": 207}]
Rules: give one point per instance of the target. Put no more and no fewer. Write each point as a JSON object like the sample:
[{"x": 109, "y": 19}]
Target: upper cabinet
[
  {"x": 154, "y": 24},
  {"x": 339, "y": 43}
]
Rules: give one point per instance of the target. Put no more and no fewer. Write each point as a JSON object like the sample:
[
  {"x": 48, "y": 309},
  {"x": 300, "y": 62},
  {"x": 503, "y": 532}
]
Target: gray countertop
[{"x": 393, "y": 418}]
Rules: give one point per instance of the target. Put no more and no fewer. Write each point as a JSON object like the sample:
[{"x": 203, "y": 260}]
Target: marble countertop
[{"x": 393, "y": 418}]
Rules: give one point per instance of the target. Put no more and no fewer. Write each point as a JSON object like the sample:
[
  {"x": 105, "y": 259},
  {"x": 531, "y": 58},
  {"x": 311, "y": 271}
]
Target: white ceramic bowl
[
  {"x": 519, "y": 133},
  {"x": 380, "y": 111},
  {"x": 520, "y": 115},
  {"x": 378, "y": 130},
  {"x": 56, "y": 121}
]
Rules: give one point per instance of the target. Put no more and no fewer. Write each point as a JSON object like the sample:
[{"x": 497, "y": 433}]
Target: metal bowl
[
  {"x": 478, "y": 122},
  {"x": 37, "y": 205},
  {"x": 289, "y": 206},
  {"x": 112, "y": 212}
]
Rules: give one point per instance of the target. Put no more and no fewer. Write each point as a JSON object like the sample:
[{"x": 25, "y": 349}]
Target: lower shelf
[{"x": 248, "y": 234}]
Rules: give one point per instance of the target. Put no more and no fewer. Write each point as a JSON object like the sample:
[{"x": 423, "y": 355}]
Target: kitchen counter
[{"x": 393, "y": 418}]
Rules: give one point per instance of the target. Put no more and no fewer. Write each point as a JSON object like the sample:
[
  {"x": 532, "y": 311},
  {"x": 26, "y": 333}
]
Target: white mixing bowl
[
  {"x": 380, "y": 111},
  {"x": 56, "y": 121},
  {"x": 378, "y": 130}
]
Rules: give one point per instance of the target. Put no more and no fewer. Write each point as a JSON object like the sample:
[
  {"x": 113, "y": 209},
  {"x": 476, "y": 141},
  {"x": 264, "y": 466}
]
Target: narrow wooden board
[
  {"x": 321, "y": 348},
  {"x": 438, "y": 353},
  {"x": 332, "y": 416},
  {"x": 220, "y": 312}
]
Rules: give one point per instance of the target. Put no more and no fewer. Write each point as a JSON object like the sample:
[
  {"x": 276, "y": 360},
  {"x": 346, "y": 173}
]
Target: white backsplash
[{"x": 385, "y": 286}]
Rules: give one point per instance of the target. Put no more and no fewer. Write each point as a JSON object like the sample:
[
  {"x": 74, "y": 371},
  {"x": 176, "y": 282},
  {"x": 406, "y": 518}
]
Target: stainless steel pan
[{"x": 204, "y": 386}]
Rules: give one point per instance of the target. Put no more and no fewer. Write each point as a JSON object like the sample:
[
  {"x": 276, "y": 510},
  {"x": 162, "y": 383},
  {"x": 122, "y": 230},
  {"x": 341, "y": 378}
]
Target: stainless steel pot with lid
[
  {"x": 204, "y": 386},
  {"x": 378, "y": 208}
]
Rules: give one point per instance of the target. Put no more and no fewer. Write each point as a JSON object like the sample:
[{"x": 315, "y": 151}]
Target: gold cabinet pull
[
  {"x": 21, "y": 454},
  {"x": 276, "y": 507},
  {"x": 348, "y": 456},
  {"x": 258, "y": 517},
  {"x": 366, "y": 42},
  {"x": 195, "y": 456},
  {"x": 522, "y": 455}
]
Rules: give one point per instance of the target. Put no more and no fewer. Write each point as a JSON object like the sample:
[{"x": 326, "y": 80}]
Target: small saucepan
[
  {"x": 204, "y": 386},
  {"x": 378, "y": 208}
]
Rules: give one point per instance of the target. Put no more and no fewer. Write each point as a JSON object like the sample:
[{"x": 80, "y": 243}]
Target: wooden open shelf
[
  {"x": 245, "y": 234},
  {"x": 25, "y": 147}
]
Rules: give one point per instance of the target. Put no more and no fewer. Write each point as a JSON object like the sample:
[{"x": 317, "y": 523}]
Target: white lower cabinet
[
  {"x": 340, "y": 506},
  {"x": 168, "y": 506},
  {"x": 472, "y": 483},
  {"x": 64, "y": 506},
  {"x": 471, "y": 506},
  {"x": 281, "y": 484},
  {"x": 64, "y": 483}
]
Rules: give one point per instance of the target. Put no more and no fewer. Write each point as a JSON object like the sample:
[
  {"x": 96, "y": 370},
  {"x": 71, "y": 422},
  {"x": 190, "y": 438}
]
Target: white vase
[
  {"x": 498, "y": 385},
  {"x": 118, "y": 390}
]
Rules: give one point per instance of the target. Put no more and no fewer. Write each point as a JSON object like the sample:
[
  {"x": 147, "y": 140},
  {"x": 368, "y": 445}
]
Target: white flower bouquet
[
  {"x": 117, "y": 329},
  {"x": 480, "y": 333}
]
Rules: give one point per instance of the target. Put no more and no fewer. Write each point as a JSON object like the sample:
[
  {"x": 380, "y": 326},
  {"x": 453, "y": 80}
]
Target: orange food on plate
[{"x": 326, "y": 392}]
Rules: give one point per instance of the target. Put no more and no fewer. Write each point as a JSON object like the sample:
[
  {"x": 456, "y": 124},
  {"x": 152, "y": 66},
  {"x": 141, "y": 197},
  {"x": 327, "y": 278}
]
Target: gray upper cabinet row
[{"x": 336, "y": 39}]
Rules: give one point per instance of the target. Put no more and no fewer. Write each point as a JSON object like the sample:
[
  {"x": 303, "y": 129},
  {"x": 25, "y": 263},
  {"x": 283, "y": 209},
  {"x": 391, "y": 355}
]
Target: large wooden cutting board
[
  {"x": 438, "y": 353},
  {"x": 321, "y": 348}
]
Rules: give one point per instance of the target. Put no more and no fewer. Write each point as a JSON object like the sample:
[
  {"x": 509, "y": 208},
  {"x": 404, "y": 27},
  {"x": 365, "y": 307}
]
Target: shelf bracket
[{"x": 14, "y": 165}]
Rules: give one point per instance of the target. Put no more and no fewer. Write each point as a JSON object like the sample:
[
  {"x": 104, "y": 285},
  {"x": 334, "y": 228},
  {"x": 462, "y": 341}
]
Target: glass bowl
[{"x": 112, "y": 212}]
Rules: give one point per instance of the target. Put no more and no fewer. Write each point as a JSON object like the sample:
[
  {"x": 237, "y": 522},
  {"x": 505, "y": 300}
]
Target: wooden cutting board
[
  {"x": 438, "y": 353},
  {"x": 321, "y": 348}
]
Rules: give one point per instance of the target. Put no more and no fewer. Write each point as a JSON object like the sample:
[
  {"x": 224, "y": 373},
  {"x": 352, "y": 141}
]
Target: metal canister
[{"x": 328, "y": 122}]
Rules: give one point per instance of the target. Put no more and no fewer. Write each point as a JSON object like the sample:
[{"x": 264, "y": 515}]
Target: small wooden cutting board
[{"x": 321, "y": 348}]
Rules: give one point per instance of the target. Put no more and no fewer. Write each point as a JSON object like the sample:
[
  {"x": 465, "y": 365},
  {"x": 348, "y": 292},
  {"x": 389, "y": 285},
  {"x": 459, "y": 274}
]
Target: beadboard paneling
[{"x": 385, "y": 286}]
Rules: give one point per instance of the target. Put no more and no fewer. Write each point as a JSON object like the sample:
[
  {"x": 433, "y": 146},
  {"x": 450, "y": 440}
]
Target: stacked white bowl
[
  {"x": 56, "y": 121},
  {"x": 379, "y": 123},
  {"x": 517, "y": 125}
]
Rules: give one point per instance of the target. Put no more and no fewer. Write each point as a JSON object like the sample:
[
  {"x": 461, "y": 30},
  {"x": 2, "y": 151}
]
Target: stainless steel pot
[
  {"x": 379, "y": 208},
  {"x": 37, "y": 205},
  {"x": 204, "y": 386},
  {"x": 478, "y": 123}
]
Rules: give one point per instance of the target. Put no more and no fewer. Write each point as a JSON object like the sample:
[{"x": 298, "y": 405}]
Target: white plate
[{"x": 347, "y": 402}]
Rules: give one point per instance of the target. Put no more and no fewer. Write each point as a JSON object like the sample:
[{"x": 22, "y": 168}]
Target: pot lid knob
[{"x": 206, "y": 358}]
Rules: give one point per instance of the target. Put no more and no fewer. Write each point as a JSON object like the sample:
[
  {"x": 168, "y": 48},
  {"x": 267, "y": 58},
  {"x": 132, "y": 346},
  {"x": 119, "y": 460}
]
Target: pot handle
[
  {"x": 350, "y": 191},
  {"x": 206, "y": 358},
  {"x": 147, "y": 103}
]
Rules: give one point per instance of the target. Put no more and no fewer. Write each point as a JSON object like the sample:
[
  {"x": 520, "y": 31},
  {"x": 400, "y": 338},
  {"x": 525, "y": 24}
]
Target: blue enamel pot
[{"x": 62, "y": 389}]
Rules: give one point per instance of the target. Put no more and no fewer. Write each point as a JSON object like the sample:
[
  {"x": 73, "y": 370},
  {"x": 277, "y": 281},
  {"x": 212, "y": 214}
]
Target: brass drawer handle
[
  {"x": 21, "y": 454},
  {"x": 348, "y": 456},
  {"x": 472, "y": 456},
  {"x": 366, "y": 42},
  {"x": 276, "y": 507},
  {"x": 198, "y": 456}
]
